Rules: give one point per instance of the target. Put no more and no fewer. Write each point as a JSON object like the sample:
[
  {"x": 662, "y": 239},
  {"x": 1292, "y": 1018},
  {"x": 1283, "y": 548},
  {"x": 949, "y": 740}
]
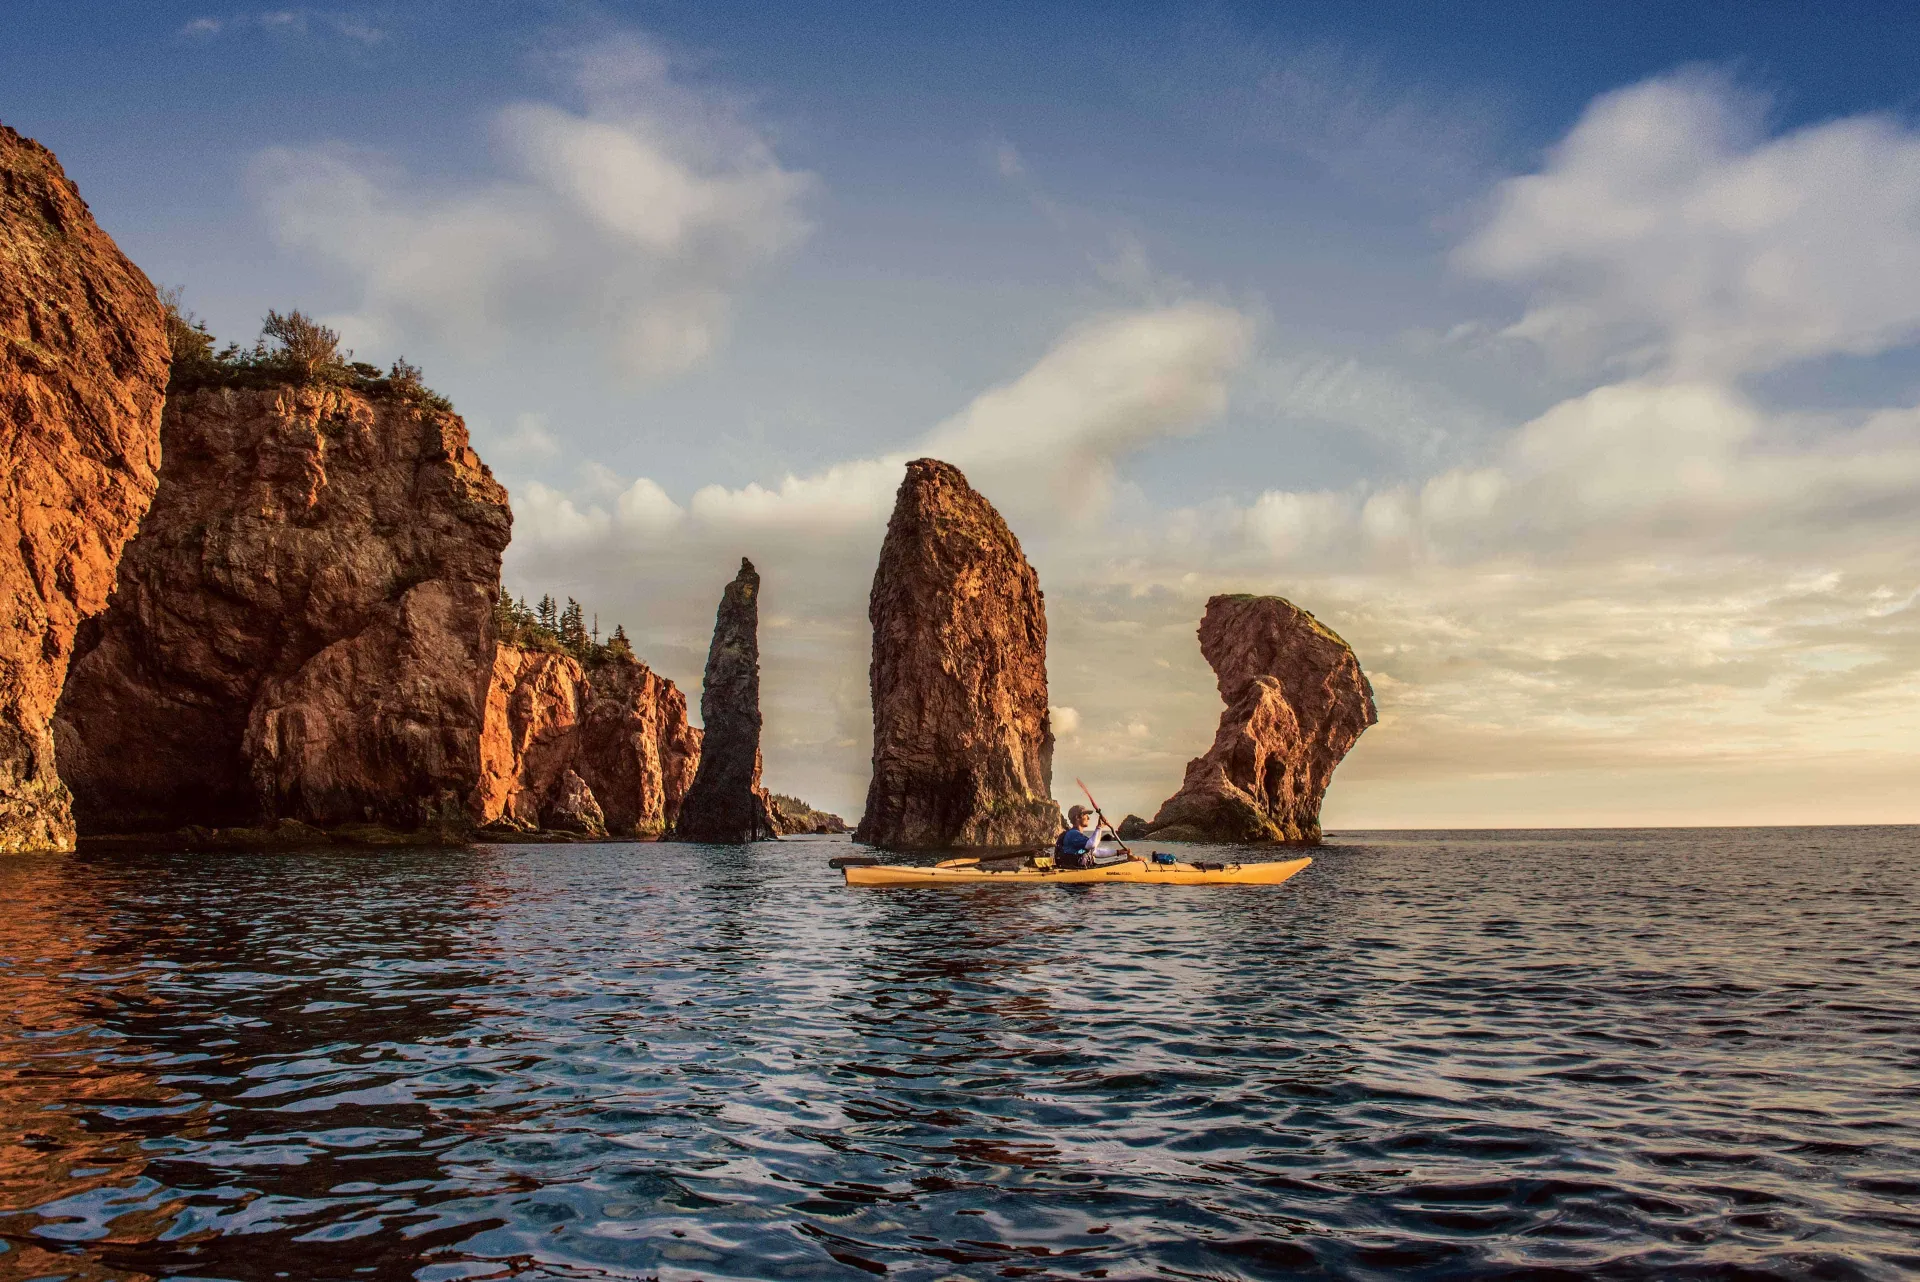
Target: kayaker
[{"x": 1076, "y": 847}]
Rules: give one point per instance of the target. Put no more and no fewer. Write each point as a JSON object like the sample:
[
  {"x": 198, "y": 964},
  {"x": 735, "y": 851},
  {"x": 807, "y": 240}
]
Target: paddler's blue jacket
[{"x": 1072, "y": 847}]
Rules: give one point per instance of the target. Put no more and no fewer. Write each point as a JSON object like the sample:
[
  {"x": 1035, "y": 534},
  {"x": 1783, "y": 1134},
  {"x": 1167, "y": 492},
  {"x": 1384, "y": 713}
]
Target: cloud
[
  {"x": 1043, "y": 445},
  {"x": 1638, "y": 468},
  {"x": 1668, "y": 232},
  {"x": 290, "y": 22},
  {"x": 634, "y": 217}
]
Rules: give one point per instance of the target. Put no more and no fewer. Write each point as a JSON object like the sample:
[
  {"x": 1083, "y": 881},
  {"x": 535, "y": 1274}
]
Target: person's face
[{"x": 1086, "y": 821}]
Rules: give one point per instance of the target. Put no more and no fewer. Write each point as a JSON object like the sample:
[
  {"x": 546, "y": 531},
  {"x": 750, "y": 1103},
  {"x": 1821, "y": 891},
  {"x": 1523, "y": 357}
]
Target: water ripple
[{"x": 1613, "y": 1055}]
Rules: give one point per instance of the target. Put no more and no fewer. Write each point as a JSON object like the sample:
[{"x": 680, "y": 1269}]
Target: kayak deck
[{"x": 1132, "y": 871}]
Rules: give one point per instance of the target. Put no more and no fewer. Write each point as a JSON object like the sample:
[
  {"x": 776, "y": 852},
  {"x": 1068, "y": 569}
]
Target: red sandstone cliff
[
  {"x": 726, "y": 802},
  {"x": 1296, "y": 703},
  {"x": 83, "y": 372},
  {"x": 304, "y": 626},
  {"x": 615, "y": 726},
  {"x": 962, "y": 748}
]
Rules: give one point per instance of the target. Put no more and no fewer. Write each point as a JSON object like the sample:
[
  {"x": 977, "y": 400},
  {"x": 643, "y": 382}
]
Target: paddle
[{"x": 1099, "y": 819}]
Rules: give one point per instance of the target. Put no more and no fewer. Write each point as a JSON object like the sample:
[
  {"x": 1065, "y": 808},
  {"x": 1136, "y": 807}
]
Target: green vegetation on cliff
[
  {"x": 551, "y": 627},
  {"x": 292, "y": 348}
]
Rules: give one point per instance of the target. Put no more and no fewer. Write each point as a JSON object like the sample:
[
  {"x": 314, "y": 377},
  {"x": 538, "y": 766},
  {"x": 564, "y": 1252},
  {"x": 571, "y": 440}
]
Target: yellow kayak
[{"x": 967, "y": 872}]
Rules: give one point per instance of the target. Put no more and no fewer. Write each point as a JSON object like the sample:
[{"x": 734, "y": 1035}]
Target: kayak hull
[{"x": 1134, "y": 872}]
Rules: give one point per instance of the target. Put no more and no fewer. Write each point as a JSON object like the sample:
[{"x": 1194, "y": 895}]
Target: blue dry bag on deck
[{"x": 1160, "y": 857}]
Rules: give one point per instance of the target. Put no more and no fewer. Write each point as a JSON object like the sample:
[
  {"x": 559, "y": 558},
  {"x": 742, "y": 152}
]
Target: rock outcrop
[
  {"x": 1132, "y": 828},
  {"x": 1296, "y": 702},
  {"x": 615, "y": 725},
  {"x": 575, "y": 810},
  {"x": 793, "y": 816},
  {"x": 962, "y": 747},
  {"x": 726, "y": 802},
  {"x": 83, "y": 375},
  {"x": 303, "y": 627}
]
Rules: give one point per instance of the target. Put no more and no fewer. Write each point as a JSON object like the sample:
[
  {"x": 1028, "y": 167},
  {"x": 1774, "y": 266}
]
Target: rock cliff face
[
  {"x": 616, "y": 726},
  {"x": 962, "y": 748},
  {"x": 302, "y": 629},
  {"x": 726, "y": 802},
  {"x": 83, "y": 374},
  {"x": 792, "y": 815},
  {"x": 1296, "y": 703}
]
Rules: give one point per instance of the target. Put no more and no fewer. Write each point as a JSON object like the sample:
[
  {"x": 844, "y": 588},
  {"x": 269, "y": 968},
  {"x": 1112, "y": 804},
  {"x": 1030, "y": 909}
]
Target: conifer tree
[
  {"x": 573, "y": 628},
  {"x": 547, "y": 615}
]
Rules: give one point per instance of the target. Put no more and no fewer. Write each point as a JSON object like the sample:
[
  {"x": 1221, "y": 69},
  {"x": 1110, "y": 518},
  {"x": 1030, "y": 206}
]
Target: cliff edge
[
  {"x": 83, "y": 375},
  {"x": 303, "y": 628},
  {"x": 614, "y": 725}
]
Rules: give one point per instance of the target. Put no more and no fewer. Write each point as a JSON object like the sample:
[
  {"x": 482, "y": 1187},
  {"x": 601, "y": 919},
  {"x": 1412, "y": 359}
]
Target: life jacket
[{"x": 1071, "y": 853}]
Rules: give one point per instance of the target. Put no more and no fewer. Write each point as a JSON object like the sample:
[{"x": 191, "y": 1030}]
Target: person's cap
[{"x": 1075, "y": 814}]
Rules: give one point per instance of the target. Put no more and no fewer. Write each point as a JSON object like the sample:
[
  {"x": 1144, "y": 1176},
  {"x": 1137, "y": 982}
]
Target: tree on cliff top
[
  {"x": 304, "y": 342},
  {"x": 546, "y": 626},
  {"x": 291, "y": 348}
]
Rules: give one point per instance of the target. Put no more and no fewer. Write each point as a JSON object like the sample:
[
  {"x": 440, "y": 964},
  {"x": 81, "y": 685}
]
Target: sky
[{"x": 1565, "y": 362}]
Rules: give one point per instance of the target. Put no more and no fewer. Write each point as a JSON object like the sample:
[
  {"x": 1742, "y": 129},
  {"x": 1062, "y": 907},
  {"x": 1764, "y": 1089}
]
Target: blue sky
[{"x": 1562, "y": 359}]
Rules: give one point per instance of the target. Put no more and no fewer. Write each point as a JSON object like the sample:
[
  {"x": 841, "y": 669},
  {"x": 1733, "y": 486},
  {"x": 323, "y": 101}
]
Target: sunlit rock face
[
  {"x": 793, "y": 816},
  {"x": 726, "y": 802},
  {"x": 615, "y": 725},
  {"x": 962, "y": 748},
  {"x": 1296, "y": 703},
  {"x": 83, "y": 375},
  {"x": 303, "y": 628}
]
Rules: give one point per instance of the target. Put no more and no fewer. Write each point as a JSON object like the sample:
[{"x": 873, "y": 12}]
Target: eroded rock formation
[
  {"x": 792, "y": 815},
  {"x": 304, "y": 626},
  {"x": 726, "y": 802},
  {"x": 962, "y": 748},
  {"x": 1296, "y": 702},
  {"x": 83, "y": 374},
  {"x": 615, "y": 725}
]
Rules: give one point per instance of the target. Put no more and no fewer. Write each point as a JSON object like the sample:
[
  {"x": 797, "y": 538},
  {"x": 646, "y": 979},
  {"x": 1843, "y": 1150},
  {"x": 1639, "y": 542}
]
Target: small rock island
[{"x": 1296, "y": 703}]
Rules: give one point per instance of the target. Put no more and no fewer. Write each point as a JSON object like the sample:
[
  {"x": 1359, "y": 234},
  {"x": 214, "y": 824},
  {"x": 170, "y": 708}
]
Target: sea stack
[
  {"x": 303, "y": 628},
  {"x": 1296, "y": 703},
  {"x": 726, "y": 802},
  {"x": 83, "y": 376},
  {"x": 613, "y": 723},
  {"x": 962, "y": 748}
]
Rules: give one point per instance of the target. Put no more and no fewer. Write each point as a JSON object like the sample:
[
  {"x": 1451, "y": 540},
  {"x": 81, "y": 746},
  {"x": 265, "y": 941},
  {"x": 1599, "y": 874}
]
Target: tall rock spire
[
  {"x": 726, "y": 802},
  {"x": 962, "y": 748}
]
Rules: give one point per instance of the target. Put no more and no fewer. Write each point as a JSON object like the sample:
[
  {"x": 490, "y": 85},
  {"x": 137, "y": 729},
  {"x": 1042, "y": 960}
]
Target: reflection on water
[{"x": 1605, "y": 1054}]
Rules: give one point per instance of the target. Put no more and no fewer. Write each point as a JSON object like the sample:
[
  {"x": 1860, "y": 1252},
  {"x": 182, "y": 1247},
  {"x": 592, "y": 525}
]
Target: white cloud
[
  {"x": 290, "y": 22},
  {"x": 1627, "y": 469},
  {"x": 634, "y": 220},
  {"x": 1046, "y": 442},
  {"x": 1667, "y": 231}
]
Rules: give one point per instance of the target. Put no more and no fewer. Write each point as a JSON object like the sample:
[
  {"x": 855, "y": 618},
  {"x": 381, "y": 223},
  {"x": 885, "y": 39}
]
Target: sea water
[{"x": 1667, "y": 1054}]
